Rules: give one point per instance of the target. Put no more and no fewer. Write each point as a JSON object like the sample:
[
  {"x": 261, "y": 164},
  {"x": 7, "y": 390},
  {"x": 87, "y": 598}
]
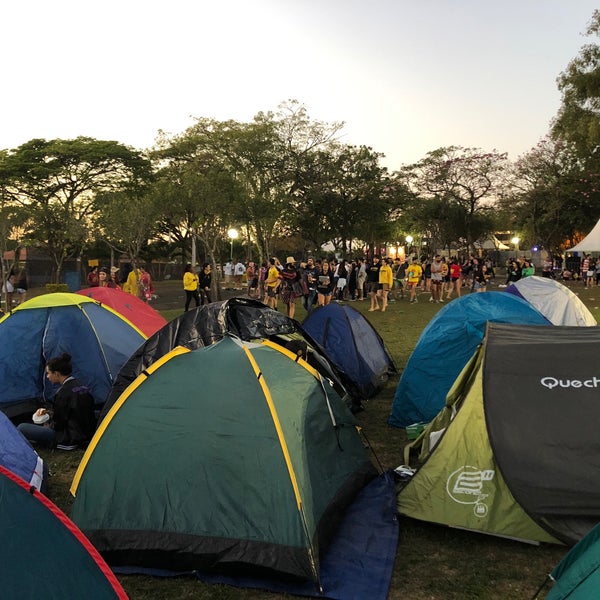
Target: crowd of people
[
  {"x": 319, "y": 281},
  {"x": 380, "y": 280},
  {"x": 135, "y": 281},
  {"x": 588, "y": 272}
]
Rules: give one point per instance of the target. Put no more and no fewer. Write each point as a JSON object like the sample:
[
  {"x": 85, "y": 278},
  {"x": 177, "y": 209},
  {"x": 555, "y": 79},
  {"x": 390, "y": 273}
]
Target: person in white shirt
[{"x": 238, "y": 273}]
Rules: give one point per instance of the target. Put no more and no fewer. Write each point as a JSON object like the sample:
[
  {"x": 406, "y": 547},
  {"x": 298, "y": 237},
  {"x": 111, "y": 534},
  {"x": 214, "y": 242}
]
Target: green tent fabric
[
  {"x": 231, "y": 456},
  {"x": 459, "y": 484},
  {"x": 43, "y": 554},
  {"x": 515, "y": 451},
  {"x": 577, "y": 576}
]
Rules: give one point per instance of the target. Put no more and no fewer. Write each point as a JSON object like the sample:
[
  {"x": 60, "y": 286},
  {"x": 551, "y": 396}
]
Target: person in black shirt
[
  {"x": 205, "y": 282},
  {"x": 373, "y": 282},
  {"x": 69, "y": 421}
]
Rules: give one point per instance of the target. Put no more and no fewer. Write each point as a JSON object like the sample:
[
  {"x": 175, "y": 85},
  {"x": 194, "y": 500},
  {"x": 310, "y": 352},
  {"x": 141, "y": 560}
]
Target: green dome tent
[
  {"x": 43, "y": 554},
  {"x": 577, "y": 575},
  {"x": 227, "y": 457}
]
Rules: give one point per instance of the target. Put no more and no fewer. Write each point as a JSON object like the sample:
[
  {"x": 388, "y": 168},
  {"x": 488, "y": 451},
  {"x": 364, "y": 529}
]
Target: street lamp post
[
  {"x": 193, "y": 234},
  {"x": 515, "y": 241},
  {"x": 409, "y": 240},
  {"x": 233, "y": 235}
]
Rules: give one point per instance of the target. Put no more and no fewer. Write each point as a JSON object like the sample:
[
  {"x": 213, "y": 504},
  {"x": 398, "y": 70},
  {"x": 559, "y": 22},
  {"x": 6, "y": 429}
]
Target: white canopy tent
[
  {"x": 490, "y": 243},
  {"x": 590, "y": 243}
]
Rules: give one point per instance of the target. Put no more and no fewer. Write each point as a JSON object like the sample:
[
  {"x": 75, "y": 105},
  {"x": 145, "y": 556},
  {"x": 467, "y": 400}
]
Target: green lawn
[{"x": 432, "y": 562}]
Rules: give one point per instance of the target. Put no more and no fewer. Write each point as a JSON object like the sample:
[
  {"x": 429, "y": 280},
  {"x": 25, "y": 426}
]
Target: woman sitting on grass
[{"x": 69, "y": 421}]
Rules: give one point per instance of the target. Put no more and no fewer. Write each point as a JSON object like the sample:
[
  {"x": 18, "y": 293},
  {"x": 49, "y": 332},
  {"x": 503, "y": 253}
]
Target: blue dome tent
[
  {"x": 444, "y": 348},
  {"x": 17, "y": 455},
  {"x": 352, "y": 346},
  {"x": 98, "y": 339}
]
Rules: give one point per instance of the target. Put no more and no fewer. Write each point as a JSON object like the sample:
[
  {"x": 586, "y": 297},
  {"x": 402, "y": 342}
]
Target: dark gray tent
[
  {"x": 516, "y": 450},
  {"x": 544, "y": 421}
]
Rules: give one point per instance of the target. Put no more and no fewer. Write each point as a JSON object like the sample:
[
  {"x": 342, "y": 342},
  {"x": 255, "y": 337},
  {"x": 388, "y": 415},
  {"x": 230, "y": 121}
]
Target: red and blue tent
[
  {"x": 97, "y": 337},
  {"x": 138, "y": 312}
]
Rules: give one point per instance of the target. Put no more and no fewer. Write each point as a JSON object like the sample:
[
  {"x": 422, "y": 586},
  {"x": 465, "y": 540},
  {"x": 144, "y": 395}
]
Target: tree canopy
[
  {"x": 286, "y": 180},
  {"x": 56, "y": 181}
]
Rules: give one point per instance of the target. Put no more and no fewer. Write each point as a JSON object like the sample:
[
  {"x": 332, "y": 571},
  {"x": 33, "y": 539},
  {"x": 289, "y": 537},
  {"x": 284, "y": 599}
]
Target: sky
[{"x": 405, "y": 76}]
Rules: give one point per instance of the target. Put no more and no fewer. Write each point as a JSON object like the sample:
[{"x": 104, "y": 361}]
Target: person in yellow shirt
[
  {"x": 386, "y": 281},
  {"x": 413, "y": 276},
  {"x": 133, "y": 283},
  {"x": 271, "y": 284},
  {"x": 190, "y": 286}
]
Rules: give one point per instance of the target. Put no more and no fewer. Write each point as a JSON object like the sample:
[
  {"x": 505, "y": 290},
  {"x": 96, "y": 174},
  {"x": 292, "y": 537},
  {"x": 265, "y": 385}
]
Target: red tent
[{"x": 143, "y": 316}]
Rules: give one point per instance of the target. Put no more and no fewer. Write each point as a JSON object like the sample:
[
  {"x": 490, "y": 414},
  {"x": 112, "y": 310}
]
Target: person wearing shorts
[
  {"x": 413, "y": 276},
  {"x": 437, "y": 280},
  {"x": 455, "y": 279},
  {"x": 373, "y": 282},
  {"x": 386, "y": 281},
  {"x": 324, "y": 284},
  {"x": 271, "y": 284},
  {"x": 252, "y": 279},
  {"x": 399, "y": 270}
]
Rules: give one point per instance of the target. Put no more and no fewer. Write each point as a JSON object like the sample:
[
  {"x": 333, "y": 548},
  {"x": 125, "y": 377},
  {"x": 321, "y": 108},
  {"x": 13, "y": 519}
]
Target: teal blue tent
[
  {"x": 577, "y": 575},
  {"x": 446, "y": 345}
]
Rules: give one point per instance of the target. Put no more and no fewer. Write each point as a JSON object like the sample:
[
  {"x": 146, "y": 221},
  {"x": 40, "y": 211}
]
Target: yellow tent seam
[
  {"x": 115, "y": 408},
  {"x": 293, "y": 356},
  {"x": 277, "y": 423}
]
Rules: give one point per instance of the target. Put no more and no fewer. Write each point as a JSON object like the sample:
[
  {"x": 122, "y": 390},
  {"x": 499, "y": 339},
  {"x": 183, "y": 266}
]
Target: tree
[
  {"x": 248, "y": 153},
  {"x": 578, "y": 119},
  {"x": 549, "y": 194},
  {"x": 442, "y": 222},
  {"x": 199, "y": 197},
  {"x": 56, "y": 180},
  {"x": 467, "y": 178},
  {"x": 127, "y": 219},
  {"x": 577, "y": 126},
  {"x": 342, "y": 194},
  {"x": 264, "y": 157}
]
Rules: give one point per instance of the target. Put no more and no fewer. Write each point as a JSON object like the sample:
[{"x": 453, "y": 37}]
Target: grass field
[{"x": 432, "y": 562}]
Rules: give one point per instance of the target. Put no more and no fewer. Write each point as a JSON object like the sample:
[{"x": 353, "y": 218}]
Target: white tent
[
  {"x": 555, "y": 301},
  {"x": 590, "y": 243},
  {"x": 490, "y": 243}
]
